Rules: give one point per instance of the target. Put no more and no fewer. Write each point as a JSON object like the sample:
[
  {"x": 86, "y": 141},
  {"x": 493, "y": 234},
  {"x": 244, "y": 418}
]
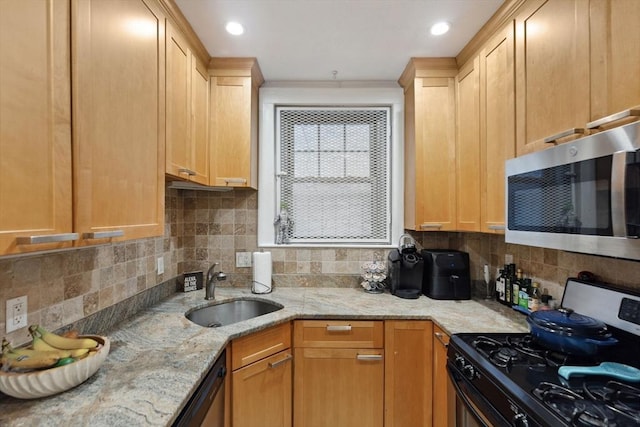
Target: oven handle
[{"x": 467, "y": 403}]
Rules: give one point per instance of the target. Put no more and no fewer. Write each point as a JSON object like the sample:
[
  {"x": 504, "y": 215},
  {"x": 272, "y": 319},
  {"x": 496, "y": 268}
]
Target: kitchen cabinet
[
  {"x": 552, "y": 70},
  {"x": 338, "y": 373},
  {"x": 615, "y": 57},
  {"x": 233, "y": 160},
  {"x": 35, "y": 125},
  {"x": 497, "y": 126},
  {"x": 468, "y": 147},
  {"x": 118, "y": 83},
  {"x": 187, "y": 108},
  {"x": 261, "y": 384},
  {"x": 444, "y": 399},
  {"x": 430, "y": 153},
  {"x": 408, "y": 350}
]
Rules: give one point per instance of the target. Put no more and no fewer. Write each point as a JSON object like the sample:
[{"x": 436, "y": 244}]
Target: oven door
[{"x": 472, "y": 408}]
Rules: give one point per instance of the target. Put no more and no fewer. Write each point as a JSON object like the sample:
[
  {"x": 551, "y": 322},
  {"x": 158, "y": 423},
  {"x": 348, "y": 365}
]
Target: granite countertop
[{"x": 158, "y": 357}]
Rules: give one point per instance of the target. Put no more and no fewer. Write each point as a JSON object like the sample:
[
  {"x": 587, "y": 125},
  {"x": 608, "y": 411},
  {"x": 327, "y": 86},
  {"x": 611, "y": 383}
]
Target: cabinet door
[
  {"x": 338, "y": 387},
  {"x": 262, "y": 393},
  {"x": 199, "y": 122},
  {"x": 178, "y": 91},
  {"x": 35, "y": 128},
  {"x": 497, "y": 126},
  {"x": 552, "y": 70},
  {"x": 443, "y": 393},
  {"x": 434, "y": 155},
  {"x": 468, "y": 147},
  {"x": 615, "y": 56},
  {"x": 231, "y": 148},
  {"x": 118, "y": 117},
  {"x": 408, "y": 378}
]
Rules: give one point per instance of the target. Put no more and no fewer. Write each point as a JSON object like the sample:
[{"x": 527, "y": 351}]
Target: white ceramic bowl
[{"x": 35, "y": 384}]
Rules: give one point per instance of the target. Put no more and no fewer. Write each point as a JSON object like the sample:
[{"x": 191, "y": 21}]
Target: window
[{"x": 327, "y": 174}]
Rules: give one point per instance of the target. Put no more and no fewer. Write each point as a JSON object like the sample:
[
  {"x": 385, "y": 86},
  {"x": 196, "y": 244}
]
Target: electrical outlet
[
  {"x": 16, "y": 313},
  {"x": 243, "y": 259},
  {"x": 508, "y": 259},
  {"x": 160, "y": 265}
]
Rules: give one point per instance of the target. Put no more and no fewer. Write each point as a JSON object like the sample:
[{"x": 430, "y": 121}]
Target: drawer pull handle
[
  {"x": 496, "y": 227},
  {"x": 369, "y": 357},
  {"x": 553, "y": 139},
  {"x": 280, "y": 362},
  {"x": 428, "y": 225},
  {"x": 235, "y": 181},
  {"x": 46, "y": 238},
  {"x": 103, "y": 234},
  {"x": 632, "y": 112},
  {"x": 336, "y": 328},
  {"x": 189, "y": 172},
  {"x": 440, "y": 337}
]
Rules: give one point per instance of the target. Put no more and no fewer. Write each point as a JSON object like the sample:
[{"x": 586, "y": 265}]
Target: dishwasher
[{"x": 206, "y": 406}]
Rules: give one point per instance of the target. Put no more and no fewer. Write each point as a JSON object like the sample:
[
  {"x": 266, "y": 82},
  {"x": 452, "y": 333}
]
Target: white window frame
[{"x": 271, "y": 96}]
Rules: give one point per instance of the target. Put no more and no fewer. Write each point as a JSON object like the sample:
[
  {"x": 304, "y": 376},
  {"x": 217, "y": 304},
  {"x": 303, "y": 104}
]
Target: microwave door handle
[{"x": 618, "y": 210}]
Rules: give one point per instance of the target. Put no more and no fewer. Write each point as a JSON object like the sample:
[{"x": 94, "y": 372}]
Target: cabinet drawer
[
  {"x": 251, "y": 348},
  {"x": 338, "y": 334}
]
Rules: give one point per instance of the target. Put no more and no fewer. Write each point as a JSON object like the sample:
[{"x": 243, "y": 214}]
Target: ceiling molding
[
  {"x": 503, "y": 15},
  {"x": 178, "y": 19}
]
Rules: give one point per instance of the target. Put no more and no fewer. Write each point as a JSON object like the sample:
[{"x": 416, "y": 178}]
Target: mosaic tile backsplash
[{"x": 206, "y": 227}]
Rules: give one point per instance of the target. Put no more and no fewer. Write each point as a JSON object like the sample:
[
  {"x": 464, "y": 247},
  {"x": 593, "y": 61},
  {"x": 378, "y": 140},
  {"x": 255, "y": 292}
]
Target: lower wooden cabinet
[
  {"x": 408, "y": 373},
  {"x": 261, "y": 392},
  {"x": 338, "y": 387},
  {"x": 261, "y": 387},
  {"x": 334, "y": 385},
  {"x": 443, "y": 393}
]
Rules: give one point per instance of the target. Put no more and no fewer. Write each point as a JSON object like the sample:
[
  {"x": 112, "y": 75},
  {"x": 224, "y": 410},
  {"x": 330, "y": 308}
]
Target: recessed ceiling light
[
  {"x": 439, "y": 28},
  {"x": 234, "y": 28}
]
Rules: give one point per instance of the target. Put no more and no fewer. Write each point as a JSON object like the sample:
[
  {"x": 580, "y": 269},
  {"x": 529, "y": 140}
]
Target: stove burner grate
[{"x": 614, "y": 405}]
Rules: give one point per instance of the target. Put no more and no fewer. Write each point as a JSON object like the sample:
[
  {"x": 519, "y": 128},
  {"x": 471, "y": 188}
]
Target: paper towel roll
[{"x": 261, "y": 272}]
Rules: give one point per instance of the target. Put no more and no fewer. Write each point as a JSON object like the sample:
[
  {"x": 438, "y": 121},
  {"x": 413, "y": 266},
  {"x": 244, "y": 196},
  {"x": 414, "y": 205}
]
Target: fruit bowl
[{"x": 47, "y": 382}]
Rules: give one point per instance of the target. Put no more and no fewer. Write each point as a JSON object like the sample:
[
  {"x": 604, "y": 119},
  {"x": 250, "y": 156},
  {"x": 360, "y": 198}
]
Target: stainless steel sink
[{"x": 228, "y": 312}]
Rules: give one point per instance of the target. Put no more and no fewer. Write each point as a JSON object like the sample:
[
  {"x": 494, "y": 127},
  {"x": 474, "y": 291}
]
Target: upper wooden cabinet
[
  {"x": 234, "y": 122},
  {"x": 430, "y": 151},
  {"x": 552, "y": 70},
  {"x": 187, "y": 90},
  {"x": 497, "y": 126},
  {"x": 615, "y": 57},
  {"x": 35, "y": 124},
  {"x": 118, "y": 117},
  {"x": 468, "y": 147}
]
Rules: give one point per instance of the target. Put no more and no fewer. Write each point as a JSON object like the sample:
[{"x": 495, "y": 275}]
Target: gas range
[{"x": 509, "y": 379}]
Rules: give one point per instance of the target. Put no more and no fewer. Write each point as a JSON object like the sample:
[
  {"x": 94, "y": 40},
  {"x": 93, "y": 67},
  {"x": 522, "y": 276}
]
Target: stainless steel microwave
[{"x": 580, "y": 196}]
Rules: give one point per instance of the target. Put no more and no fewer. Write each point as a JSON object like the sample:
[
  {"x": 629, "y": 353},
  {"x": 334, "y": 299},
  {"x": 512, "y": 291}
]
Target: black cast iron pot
[{"x": 569, "y": 332}]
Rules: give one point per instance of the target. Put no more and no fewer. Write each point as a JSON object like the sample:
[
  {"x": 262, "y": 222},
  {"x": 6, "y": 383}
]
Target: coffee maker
[{"x": 406, "y": 267}]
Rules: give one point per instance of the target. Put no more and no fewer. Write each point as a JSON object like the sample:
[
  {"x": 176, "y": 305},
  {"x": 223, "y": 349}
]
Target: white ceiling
[{"x": 360, "y": 39}]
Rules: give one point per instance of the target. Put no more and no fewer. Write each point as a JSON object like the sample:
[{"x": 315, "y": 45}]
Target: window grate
[{"x": 334, "y": 164}]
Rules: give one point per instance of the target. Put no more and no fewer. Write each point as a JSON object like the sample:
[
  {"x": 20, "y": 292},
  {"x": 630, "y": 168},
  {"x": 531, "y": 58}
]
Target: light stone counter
[{"x": 158, "y": 357}]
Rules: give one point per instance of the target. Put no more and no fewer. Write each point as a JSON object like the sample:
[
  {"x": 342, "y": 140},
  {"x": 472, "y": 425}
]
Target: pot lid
[{"x": 565, "y": 321}]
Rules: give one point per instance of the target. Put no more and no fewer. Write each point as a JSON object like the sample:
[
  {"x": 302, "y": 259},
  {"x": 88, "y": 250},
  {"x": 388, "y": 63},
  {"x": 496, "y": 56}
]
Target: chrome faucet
[{"x": 212, "y": 278}]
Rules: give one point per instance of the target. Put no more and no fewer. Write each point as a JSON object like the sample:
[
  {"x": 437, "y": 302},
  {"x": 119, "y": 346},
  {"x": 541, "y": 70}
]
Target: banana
[
  {"x": 31, "y": 360},
  {"x": 62, "y": 343},
  {"x": 38, "y": 344}
]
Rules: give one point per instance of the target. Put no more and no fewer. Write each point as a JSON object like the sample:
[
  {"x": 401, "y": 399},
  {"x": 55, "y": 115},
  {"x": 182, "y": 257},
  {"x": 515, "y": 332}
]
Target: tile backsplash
[{"x": 206, "y": 227}]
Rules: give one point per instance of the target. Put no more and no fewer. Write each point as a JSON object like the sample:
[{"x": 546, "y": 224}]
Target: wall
[
  {"x": 65, "y": 286},
  {"x": 205, "y": 227}
]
